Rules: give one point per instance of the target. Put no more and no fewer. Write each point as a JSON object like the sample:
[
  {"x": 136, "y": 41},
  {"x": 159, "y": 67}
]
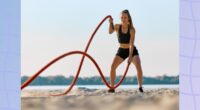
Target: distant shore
[{"x": 96, "y": 80}]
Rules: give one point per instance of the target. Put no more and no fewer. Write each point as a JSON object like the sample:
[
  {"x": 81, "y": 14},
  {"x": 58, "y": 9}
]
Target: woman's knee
[
  {"x": 113, "y": 67},
  {"x": 116, "y": 62},
  {"x": 136, "y": 61}
]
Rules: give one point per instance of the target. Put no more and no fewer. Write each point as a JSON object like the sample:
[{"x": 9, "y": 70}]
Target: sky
[{"x": 50, "y": 28}]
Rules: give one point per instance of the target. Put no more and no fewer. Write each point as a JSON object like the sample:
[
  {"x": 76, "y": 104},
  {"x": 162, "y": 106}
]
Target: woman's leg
[
  {"x": 137, "y": 63},
  {"x": 116, "y": 62}
]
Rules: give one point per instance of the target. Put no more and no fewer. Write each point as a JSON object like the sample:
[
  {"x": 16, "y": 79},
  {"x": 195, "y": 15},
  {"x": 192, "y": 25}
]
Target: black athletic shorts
[{"x": 124, "y": 52}]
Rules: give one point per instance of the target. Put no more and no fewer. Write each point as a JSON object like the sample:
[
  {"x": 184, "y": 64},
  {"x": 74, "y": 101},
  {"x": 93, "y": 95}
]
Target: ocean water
[{"x": 98, "y": 87}]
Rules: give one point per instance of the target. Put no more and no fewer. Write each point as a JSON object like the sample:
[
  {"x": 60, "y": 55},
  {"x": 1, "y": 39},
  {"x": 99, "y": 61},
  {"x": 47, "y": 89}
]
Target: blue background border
[{"x": 10, "y": 55}]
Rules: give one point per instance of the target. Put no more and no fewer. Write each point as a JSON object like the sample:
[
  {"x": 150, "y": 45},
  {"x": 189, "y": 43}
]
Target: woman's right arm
[{"x": 111, "y": 26}]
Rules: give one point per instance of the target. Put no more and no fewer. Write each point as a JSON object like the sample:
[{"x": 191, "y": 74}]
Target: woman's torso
[{"x": 123, "y": 37}]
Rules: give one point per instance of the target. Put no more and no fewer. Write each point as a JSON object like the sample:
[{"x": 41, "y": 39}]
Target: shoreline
[{"x": 54, "y": 87}]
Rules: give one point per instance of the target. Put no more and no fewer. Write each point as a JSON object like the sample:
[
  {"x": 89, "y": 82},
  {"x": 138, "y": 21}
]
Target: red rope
[{"x": 27, "y": 82}]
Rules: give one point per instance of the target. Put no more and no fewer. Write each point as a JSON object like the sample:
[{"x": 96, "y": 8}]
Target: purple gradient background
[{"x": 189, "y": 54}]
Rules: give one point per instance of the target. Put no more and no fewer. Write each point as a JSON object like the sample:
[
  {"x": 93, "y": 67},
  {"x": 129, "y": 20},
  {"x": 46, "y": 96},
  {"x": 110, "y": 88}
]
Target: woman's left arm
[{"x": 131, "y": 44}]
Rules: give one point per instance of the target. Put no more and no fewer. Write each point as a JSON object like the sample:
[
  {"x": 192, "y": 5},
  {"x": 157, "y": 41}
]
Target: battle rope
[{"x": 27, "y": 82}]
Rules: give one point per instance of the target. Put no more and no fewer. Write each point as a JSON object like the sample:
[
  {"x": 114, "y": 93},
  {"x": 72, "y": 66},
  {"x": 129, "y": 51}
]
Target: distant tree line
[{"x": 96, "y": 80}]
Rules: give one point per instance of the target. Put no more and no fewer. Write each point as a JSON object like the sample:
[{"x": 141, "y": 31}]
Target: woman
[{"x": 126, "y": 36}]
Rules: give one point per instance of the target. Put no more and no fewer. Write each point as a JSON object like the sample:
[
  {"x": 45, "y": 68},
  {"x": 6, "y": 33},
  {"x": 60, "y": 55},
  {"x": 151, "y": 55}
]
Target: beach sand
[{"x": 100, "y": 99}]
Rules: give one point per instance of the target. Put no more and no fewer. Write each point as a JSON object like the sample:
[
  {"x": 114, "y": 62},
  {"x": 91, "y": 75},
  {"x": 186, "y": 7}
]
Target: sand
[{"x": 100, "y": 99}]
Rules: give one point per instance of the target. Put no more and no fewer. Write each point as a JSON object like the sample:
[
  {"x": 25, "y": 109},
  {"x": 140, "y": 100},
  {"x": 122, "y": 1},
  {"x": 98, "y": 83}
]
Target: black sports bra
[{"x": 123, "y": 37}]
